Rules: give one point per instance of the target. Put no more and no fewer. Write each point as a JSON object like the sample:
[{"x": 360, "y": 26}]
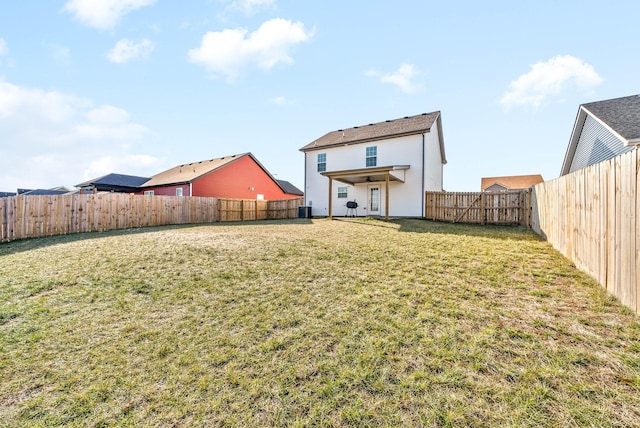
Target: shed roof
[
  {"x": 512, "y": 181},
  {"x": 620, "y": 114},
  {"x": 188, "y": 172},
  {"x": 408, "y": 125}
]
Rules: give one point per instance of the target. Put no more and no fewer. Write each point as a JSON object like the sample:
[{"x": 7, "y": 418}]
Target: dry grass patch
[{"x": 298, "y": 323}]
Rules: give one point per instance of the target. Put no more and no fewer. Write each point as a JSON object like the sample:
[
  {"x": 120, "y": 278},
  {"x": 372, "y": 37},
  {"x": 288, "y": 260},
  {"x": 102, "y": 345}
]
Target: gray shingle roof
[
  {"x": 407, "y": 125},
  {"x": 119, "y": 180},
  {"x": 620, "y": 114},
  {"x": 289, "y": 188},
  {"x": 41, "y": 192}
]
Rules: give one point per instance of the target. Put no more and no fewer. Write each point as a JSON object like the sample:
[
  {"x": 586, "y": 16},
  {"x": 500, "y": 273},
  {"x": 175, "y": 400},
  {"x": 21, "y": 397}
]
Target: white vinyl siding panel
[{"x": 595, "y": 145}]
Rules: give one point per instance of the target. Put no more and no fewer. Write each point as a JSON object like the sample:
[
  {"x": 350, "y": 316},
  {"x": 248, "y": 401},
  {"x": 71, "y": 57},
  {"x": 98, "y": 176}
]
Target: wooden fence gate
[{"x": 510, "y": 207}]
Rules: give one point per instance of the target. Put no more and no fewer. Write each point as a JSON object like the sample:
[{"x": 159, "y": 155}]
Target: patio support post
[
  {"x": 330, "y": 201},
  {"x": 386, "y": 196}
]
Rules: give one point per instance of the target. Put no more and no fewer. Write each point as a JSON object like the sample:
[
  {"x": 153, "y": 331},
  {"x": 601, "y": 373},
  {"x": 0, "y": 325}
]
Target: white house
[
  {"x": 385, "y": 167},
  {"x": 603, "y": 130}
]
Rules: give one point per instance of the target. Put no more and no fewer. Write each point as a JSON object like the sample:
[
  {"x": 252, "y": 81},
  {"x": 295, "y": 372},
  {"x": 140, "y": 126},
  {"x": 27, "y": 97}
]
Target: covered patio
[{"x": 379, "y": 174}]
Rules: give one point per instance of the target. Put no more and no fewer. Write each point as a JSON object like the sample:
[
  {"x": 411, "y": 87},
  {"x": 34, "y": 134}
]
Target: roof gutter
[{"x": 365, "y": 140}]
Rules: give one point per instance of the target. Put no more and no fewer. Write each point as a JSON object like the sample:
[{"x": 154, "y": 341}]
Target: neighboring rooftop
[
  {"x": 38, "y": 192},
  {"x": 289, "y": 188},
  {"x": 620, "y": 114},
  {"x": 408, "y": 125},
  {"x": 115, "y": 180},
  {"x": 512, "y": 181},
  {"x": 188, "y": 172}
]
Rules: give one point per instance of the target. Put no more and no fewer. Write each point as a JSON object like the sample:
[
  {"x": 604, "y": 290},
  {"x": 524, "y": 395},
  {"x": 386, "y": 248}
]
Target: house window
[
  {"x": 179, "y": 191},
  {"x": 322, "y": 162},
  {"x": 148, "y": 192},
  {"x": 372, "y": 156},
  {"x": 342, "y": 192}
]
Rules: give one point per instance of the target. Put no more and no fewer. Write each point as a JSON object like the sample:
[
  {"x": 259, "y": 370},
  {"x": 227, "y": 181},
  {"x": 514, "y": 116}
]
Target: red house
[{"x": 238, "y": 176}]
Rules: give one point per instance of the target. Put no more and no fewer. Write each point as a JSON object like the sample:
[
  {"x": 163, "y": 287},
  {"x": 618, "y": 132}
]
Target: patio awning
[
  {"x": 368, "y": 175},
  {"x": 372, "y": 174}
]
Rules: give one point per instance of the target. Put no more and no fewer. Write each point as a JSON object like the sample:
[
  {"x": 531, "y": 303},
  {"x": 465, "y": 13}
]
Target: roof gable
[
  {"x": 622, "y": 115},
  {"x": 407, "y": 125},
  {"x": 187, "y": 173}
]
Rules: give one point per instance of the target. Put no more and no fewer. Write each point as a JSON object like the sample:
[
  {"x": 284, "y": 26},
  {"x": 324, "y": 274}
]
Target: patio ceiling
[{"x": 368, "y": 175}]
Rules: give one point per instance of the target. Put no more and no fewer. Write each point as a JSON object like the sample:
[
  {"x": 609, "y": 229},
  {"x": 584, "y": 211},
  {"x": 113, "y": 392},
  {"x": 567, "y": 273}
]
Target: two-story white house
[{"x": 385, "y": 167}]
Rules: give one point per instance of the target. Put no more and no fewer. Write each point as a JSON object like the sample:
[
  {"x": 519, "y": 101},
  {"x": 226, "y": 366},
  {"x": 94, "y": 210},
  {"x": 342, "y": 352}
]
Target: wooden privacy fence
[
  {"x": 592, "y": 216},
  {"x": 510, "y": 207},
  {"x": 24, "y": 217}
]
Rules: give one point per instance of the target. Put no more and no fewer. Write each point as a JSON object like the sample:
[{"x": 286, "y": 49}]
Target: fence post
[{"x": 483, "y": 209}]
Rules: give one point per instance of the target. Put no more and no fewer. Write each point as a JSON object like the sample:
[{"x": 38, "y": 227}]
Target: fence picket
[
  {"x": 24, "y": 217},
  {"x": 592, "y": 216},
  {"x": 509, "y": 207}
]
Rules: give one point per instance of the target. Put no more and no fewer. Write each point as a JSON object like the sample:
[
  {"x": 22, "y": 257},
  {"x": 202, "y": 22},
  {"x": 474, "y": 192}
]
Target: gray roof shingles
[
  {"x": 407, "y": 125},
  {"x": 289, "y": 188},
  {"x": 621, "y": 114},
  {"x": 122, "y": 180}
]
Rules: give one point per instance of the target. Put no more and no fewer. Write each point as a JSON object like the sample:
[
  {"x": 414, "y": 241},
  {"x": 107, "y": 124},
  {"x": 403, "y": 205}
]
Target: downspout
[
  {"x": 305, "y": 180},
  {"x": 190, "y": 189},
  {"x": 422, "y": 197}
]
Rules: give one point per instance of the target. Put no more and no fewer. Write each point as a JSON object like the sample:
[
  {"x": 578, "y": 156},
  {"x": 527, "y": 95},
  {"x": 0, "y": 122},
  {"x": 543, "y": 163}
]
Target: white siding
[
  {"x": 596, "y": 144},
  {"x": 405, "y": 199},
  {"x": 433, "y": 160}
]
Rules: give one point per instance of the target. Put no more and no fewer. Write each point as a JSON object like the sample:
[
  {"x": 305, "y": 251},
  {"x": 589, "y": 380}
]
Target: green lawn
[{"x": 310, "y": 323}]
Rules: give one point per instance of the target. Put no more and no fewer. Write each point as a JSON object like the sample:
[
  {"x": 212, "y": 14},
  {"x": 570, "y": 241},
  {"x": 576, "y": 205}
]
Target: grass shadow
[
  {"x": 21, "y": 245},
  {"x": 420, "y": 225}
]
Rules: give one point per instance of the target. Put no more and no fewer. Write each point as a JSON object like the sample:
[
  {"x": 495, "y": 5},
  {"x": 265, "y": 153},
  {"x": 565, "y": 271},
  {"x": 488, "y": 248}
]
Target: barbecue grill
[{"x": 352, "y": 208}]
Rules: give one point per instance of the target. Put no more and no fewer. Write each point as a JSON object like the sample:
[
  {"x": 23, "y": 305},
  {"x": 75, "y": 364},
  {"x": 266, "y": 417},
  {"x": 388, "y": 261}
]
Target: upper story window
[
  {"x": 372, "y": 156},
  {"x": 322, "y": 162}
]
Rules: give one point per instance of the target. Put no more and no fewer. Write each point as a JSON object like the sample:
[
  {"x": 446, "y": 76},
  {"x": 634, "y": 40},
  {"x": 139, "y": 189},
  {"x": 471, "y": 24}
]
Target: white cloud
[
  {"x": 3, "y": 47},
  {"x": 60, "y": 54},
  {"x": 107, "y": 114},
  {"x": 226, "y": 52},
  {"x": 550, "y": 78},
  {"x": 404, "y": 78},
  {"x": 278, "y": 100},
  {"x": 108, "y": 164},
  {"x": 126, "y": 50},
  {"x": 103, "y": 14},
  {"x": 249, "y": 7},
  {"x": 53, "y": 138}
]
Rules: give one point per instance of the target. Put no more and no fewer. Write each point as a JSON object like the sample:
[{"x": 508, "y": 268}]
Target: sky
[{"x": 92, "y": 87}]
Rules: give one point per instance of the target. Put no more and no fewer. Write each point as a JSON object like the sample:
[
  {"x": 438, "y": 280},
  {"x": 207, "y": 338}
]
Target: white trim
[{"x": 610, "y": 129}]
